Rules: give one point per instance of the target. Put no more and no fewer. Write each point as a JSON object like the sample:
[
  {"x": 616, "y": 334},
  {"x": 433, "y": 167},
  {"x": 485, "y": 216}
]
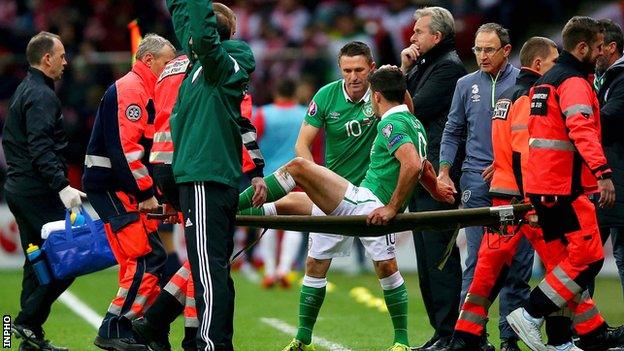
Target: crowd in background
[{"x": 290, "y": 38}]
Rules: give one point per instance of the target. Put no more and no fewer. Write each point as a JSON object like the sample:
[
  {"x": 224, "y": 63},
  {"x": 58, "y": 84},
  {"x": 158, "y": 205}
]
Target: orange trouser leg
[
  {"x": 582, "y": 309},
  {"x": 575, "y": 253},
  {"x": 495, "y": 256},
  {"x": 190, "y": 311}
]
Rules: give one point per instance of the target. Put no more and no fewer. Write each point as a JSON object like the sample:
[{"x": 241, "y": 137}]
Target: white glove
[{"x": 71, "y": 197}]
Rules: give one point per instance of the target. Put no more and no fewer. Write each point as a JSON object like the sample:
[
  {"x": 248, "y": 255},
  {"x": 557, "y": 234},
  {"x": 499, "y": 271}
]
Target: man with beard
[{"x": 566, "y": 163}]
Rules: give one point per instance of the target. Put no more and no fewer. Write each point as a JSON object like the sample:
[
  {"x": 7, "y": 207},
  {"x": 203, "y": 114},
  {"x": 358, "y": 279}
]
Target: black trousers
[
  {"x": 440, "y": 289},
  {"x": 31, "y": 213},
  {"x": 210, "y": 213}
]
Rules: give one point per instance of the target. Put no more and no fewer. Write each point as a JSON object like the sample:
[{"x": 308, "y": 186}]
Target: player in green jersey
[
  {"x": 397, "y": 163},
  {"x": 343, "y": 109}
]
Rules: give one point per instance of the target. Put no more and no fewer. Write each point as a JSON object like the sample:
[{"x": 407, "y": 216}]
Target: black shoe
[
  {"x": 119, "y": 344},
  {"x": 427, "y": 344},
  {"x": 32, "y": 341},
  {"x": 440, "y": 345},
  {"x": 485, "y": 345},
  {"x": 189, "y": 343},
  {"x": 156, "y": 339},
  {"x": 459, "y": 344},
  {"x": 608, "y": 339},
  {"x": 509, "y": 345}
]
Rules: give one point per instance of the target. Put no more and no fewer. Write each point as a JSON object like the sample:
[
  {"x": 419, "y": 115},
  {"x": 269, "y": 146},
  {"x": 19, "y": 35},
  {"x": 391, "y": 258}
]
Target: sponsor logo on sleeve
[
  {"x": 395, "y": 140},
  {"x": 133, "y": 112},
  {"x": 501, "y": 109},
  {"x": 312, "y": 108},
  {"x": 387, "y": 130}
]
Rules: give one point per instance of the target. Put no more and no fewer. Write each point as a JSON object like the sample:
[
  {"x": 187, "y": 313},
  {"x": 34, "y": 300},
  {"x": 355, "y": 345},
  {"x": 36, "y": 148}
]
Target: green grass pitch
[{"x": 342, "y": 320}]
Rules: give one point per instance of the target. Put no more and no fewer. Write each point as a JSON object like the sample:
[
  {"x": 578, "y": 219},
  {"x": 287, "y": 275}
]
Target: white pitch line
[
  {"x": 289, "y": 329},
  {"x": 81, "y": 309}
]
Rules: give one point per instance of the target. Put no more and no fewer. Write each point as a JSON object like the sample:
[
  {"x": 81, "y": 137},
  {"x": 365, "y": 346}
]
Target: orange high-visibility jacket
[
  {"x": 510, "y": 137},
  {"x": 565, "y": 150},
  {"x": 121, "y": 139}
]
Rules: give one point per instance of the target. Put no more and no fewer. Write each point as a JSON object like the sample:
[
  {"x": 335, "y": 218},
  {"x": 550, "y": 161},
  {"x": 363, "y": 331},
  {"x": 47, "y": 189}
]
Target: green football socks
[
  {"x": 310, "y": 302},
  {"x": 396, "y": 301},
  {"x": 278, "y": 184}
]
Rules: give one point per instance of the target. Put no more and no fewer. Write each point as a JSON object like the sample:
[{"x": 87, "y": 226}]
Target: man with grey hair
[
  {"x": 118, "y": 182},
  {"x": 37, "y": 190},
  {"x": 433, "y": 67},
  {"x": 470, "y": 115}
]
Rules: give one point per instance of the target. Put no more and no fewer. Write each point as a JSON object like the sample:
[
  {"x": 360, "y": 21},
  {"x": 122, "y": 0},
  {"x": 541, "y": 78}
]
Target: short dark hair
[
  {"x": 390, "y": 82},
  {"x": 613, "y": 34},
  {"x": 39, "y": 45},
  {"x": 535, "y": 47},
  {"x": 356, "y": 48},
  {"x": 286, "y": 88},
  {"x": 226, "y": 20},
  {"x": 223, "y": 26},
  {"x": 580, "y": 29},
  {"x": 501, "y": 32}
]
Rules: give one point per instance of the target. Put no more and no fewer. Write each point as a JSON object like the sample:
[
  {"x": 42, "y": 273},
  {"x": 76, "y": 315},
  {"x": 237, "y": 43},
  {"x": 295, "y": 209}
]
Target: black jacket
[
  {"x": 611, "y": 99},
  {"x": 34, "y": 140},
  {"x": 431, "y": 82}
]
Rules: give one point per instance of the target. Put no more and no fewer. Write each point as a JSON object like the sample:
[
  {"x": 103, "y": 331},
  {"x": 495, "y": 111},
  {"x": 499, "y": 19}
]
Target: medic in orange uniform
[
  {"x": 565, "y": 160},
  {"x": 510, "y": 139},
  {"x": 119, "y": 186}
]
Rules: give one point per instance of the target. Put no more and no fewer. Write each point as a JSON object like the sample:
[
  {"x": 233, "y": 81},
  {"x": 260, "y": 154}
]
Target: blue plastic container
[{"x": 35, "y": 256}]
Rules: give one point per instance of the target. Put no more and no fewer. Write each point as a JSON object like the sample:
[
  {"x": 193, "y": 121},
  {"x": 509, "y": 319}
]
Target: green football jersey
[
  {"x": 397, "y": 127},
  {"x": 350, "y": 129}
]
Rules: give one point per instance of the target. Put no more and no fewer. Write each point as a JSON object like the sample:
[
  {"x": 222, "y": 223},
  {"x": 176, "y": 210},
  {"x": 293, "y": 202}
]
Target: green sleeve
[
  {"x": 206, "y": 44},
  {"x": 395, "y": 133},
  {"x": 179, "y": 17},
  {"x": 316, "y": 111}
]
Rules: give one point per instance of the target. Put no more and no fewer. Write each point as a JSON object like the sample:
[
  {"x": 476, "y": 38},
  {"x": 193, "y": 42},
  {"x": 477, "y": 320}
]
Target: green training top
[
  {"x": 204, "y": 122},
  {"x": 397, "y": 127},
  {"x": 349, "y": 129}
]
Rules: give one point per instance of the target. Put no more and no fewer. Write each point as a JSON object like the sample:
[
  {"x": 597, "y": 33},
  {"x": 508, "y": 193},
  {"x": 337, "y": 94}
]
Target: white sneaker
[
  {"x": 565, "y": 347},
  {"x": 527, "y": 328}
]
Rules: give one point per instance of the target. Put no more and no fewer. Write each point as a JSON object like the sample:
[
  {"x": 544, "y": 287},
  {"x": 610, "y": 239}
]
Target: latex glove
[
  {"x": 71, "y": 197},
  {"x": 149, "y": 205}
]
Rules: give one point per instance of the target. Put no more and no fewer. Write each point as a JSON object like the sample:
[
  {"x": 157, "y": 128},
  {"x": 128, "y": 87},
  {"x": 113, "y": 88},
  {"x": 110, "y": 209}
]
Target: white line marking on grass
[
  {"x": 81, "y": 309},
  {"x": 289, "y": 329}
]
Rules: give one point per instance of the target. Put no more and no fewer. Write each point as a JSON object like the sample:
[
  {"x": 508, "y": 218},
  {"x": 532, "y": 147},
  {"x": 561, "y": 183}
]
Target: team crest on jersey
[
  {"x": 466, "y": 196},
  {"x": 133, "y": 112},
  {"x": 368, "y": 110},
  {"x": 387, "y": 130},
  {"x": 312, "y": 108},
  {"x": 501, "y": 109}
]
